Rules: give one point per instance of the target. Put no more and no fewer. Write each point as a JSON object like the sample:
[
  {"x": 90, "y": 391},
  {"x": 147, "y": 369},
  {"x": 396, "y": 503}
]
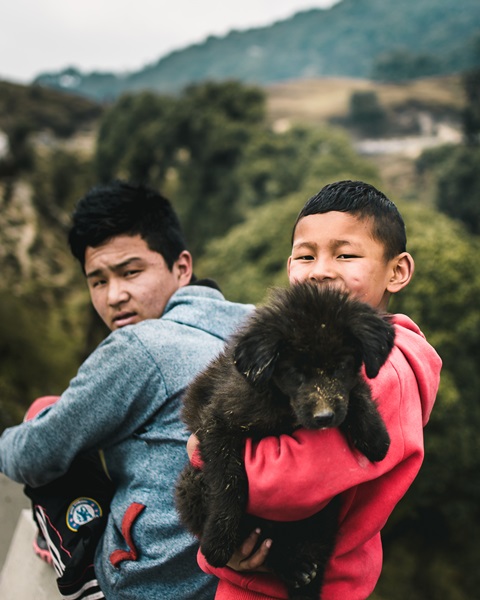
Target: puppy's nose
[{"x": 324, "y": 417}]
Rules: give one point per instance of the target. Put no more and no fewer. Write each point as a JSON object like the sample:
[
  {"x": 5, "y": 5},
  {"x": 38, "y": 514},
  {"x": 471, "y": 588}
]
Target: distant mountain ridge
[{"x": 350, "y": 39}]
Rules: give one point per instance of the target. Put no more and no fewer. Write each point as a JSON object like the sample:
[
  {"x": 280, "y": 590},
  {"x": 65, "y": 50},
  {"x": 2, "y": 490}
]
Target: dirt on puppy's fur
[{"x": 296, "y": 363}]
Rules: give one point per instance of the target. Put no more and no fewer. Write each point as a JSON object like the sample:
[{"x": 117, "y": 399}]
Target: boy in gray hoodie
[{"x": 123, "y": 405}]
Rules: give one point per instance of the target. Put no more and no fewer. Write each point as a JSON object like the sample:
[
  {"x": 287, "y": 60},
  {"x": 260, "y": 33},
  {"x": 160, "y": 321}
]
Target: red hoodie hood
[{"x": 422, "y": 358}]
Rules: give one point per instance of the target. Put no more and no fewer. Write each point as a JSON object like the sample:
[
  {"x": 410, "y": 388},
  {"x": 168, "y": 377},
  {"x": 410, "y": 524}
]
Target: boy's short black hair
[
  {"x": 122, "y": 208},
  {"x": 363, "y": 201}
]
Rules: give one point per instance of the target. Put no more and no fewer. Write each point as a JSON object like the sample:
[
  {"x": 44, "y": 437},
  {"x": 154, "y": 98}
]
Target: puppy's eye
[
  {"x": 289, "y": 377},
  {"x": 346, "y": 365}
]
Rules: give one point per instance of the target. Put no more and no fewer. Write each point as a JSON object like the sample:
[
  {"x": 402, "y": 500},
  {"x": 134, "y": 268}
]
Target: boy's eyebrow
[
  {"x": 118, "y": 267},
  {"x": 306, "y": 244},
  {"x": 338, "y": 243},
  {"x": 334, "y": 244}
]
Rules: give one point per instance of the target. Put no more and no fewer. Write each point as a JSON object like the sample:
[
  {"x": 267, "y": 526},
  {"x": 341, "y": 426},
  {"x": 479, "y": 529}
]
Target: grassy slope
[{"x": 318, "y": 100}]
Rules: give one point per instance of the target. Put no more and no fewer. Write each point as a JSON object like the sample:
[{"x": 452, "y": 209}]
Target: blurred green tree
[
  {"x": 39, "y": 350},
  {"x": 455, "y": 168},
  {"x": 20, "y": 155},
  {"x": 402, "y": 65},
  {"x": 59, "y": 179},
  {"x": 430, "y": 541},
  {"x": 216, "y": 121},
  {"x": 278, "y": 164},
  {"x": 191, "y": 146},
  {"x": 471, "y": 114},
  {"x": 458, "y": 187},
  {"x": 366, "y": 114},
  {"x": 135, "y": 139}
]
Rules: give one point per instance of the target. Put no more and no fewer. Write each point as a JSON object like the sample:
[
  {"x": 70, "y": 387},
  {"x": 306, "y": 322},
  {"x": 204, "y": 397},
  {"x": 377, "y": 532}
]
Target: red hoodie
[{"x": 292, "y": 477}]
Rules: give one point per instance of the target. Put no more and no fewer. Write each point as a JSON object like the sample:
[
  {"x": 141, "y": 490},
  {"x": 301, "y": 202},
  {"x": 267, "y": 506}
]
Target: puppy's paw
[
  {"x": 304, "y": 575},
  {"x": 216, "y": 551},
  {"x": 374, "y": 448},
  {"x": 296, "y": 571},
  {"x": 215, "y": 556}
]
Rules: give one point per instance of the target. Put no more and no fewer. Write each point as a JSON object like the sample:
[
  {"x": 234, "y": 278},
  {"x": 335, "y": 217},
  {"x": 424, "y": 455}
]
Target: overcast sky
[{"x": 120, "y": 35}]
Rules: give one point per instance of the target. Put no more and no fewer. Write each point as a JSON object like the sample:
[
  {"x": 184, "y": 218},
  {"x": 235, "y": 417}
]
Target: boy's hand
[
  {"x": 192, "y": 445},
  {"x": 244, "y": 560}
]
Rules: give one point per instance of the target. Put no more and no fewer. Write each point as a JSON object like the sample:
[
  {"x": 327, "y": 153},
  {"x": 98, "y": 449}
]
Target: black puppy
[{"x": 296, "y": 363}]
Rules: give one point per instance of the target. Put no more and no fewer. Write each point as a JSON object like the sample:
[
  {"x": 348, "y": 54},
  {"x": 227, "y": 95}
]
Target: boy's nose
[
  {"x": 322, "y": 270},
  {"x": 117, "y": 293}
]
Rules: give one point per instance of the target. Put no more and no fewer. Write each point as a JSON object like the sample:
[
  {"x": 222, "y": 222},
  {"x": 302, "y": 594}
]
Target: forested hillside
[{"x": 385, "y": 39}]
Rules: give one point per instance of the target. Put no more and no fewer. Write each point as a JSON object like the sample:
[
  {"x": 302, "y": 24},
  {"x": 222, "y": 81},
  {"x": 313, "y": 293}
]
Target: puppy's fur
[{"x": 296, "y": 363}]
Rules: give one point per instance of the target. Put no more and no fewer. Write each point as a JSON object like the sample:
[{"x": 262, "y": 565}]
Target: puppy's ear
[
  {"x": 255, "y": 356},
  {"x": 375, "y": 335}
]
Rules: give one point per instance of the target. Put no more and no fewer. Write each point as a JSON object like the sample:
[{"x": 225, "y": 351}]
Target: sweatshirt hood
[
  {"x": 422, "y": 358},
  {"x": 189, "y": 305}
]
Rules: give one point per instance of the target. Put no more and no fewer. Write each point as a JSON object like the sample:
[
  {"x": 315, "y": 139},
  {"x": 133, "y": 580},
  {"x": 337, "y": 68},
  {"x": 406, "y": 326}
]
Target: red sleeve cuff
[{"x": 196, "y": 459}]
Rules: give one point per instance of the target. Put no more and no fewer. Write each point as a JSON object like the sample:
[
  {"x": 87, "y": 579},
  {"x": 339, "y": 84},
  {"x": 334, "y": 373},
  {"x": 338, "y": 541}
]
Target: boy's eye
[
  {"x": 97, "y": 283},
  {"x": 306, "y": 257},
  {"x": 347, "y": 256},
  {"x": 131, "y": 272}
]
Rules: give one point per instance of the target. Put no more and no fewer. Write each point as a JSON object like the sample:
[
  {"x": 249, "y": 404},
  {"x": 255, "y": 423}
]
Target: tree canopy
[{"x": 455, "y": 168}]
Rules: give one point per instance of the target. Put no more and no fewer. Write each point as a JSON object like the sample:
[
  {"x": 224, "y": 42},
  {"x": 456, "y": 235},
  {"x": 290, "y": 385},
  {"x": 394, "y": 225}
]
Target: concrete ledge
[
  {"x": 24, "y": 575},
  {"x": 12, "y": 502}
]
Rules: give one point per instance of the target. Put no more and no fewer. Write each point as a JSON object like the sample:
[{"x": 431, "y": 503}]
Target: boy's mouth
[{"x": 124, "y": 318}]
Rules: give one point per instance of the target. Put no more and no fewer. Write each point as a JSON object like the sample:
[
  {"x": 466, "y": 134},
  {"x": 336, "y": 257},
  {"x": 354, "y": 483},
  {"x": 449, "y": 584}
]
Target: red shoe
[{"x": 41, "y": 549}]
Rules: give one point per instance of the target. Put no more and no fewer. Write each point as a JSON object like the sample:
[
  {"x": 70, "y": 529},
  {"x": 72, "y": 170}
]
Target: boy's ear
[
  {"x": 183, "y": 267},
  {"x": 403, "y": 267},
  {"x": 289, "y": 260}
]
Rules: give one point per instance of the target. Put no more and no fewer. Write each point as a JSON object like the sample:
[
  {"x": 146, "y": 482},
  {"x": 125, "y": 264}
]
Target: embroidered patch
[{"x": 81, "y": 511}]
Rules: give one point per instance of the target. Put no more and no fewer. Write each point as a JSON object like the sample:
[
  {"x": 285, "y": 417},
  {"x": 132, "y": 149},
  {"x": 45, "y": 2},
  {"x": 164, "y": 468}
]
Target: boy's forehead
[
  {"x": 118, "y": 251},
  {"x": 333, "y": 224}
]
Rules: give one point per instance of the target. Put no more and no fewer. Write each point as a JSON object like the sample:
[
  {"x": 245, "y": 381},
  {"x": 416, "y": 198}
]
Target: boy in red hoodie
[{"x": 352, "y": 237}]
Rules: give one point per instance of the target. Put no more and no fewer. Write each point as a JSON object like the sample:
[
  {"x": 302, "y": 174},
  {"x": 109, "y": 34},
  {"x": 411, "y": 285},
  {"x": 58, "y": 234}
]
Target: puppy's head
[{"x": 310, "y": 343}]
